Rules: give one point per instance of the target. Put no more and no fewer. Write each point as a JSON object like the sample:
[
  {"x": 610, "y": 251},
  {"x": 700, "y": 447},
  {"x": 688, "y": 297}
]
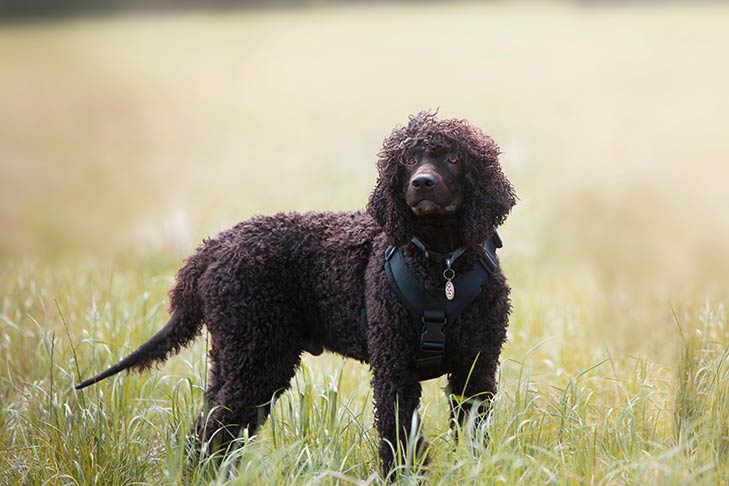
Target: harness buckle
[
  {"x": 497, "y": 240},
  {"x": 432, "y": 337},
  {"x": 389, "y": 251}
]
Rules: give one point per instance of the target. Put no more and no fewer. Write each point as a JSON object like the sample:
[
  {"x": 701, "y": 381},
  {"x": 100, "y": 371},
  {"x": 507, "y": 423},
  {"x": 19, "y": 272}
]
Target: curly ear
[
  {"x": 489, "y": 197},
  {"x": 387, "y": 202},
  {"x": 389, "y": 210}
]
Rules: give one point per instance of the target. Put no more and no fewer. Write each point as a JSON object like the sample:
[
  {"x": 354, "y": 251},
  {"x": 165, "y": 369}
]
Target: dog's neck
[{"x": 440, "y": 235}]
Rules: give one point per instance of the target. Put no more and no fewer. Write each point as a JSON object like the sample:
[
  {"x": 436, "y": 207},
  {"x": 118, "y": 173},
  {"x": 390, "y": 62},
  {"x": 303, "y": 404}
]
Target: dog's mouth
[{"x": 428, "y": 207}]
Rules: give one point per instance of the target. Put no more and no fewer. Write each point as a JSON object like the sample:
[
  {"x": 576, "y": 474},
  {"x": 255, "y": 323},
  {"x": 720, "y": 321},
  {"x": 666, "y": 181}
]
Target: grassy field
[{"x": 126, "y": 140}]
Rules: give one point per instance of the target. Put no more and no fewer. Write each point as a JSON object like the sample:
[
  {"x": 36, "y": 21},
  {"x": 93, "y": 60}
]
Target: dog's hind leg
[{"x": 244, "y": 383}]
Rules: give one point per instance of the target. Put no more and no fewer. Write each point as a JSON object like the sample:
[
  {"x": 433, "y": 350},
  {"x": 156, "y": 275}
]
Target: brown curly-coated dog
[{"x": 274, "y": 286}]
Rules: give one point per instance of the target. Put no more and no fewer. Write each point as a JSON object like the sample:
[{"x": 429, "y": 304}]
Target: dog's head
[{"x": 436, "y": 169}]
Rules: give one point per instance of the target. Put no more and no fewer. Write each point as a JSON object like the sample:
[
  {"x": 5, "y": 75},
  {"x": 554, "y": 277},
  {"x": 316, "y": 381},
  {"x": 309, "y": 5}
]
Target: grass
[
  {"x": 125, "y": 140},
  {"x": 563, "y": 414}
]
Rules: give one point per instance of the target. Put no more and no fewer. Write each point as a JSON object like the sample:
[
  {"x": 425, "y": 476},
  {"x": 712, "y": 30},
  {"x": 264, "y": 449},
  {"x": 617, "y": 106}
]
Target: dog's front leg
[
  {"x": 473, "y": 356},
  {"x": 395, "y": 385},
  {"x": 471, "y": 386},
  {"x": 397, "y": 394}
]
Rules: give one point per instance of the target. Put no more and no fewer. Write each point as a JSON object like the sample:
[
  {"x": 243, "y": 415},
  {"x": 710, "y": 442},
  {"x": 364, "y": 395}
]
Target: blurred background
[{"x": 136, "y": 132}]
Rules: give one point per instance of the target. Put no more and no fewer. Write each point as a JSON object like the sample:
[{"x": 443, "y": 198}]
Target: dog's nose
[{"x": 423, "y": 181}]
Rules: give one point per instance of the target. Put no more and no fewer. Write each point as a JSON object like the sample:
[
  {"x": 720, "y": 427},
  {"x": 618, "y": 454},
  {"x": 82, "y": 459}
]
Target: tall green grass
[{"x": 611, "y": 419}]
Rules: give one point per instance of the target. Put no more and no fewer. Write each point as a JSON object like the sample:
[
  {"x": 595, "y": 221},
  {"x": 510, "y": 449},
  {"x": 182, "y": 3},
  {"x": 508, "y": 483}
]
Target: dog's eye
[
  {"x": 453, "y": 158},
  {"x": 411, "y": 161}
]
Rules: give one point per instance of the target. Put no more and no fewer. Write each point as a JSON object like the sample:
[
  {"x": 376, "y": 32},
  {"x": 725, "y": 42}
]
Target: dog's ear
[
  {"x": 387, "y": 202},
  {"x": 488, "y": 198},
  {"x": 387, "y": 207}
]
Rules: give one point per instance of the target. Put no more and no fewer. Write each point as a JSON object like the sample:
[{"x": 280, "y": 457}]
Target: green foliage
[{"x": 618, "y": 419}]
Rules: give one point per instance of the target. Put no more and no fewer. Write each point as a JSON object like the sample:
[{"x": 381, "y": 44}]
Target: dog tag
[
  {"x": 450, "y": 290},
  {"x": 449, "y": 274}
]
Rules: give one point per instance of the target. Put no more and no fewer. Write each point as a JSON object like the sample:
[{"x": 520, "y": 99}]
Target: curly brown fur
[
  {"x": 275, "y": 286},
  {"x": 488, "y": 195}
]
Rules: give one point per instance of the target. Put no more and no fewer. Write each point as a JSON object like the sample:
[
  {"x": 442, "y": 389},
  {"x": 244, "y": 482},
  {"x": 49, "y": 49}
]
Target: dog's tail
[
  {"x": 177, "y": 333},
  {"x": 183, "y": 327}
]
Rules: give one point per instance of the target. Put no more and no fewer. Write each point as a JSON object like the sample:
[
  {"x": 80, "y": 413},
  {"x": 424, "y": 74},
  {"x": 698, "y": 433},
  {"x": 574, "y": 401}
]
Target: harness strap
[{"x": 430, "y": 312}]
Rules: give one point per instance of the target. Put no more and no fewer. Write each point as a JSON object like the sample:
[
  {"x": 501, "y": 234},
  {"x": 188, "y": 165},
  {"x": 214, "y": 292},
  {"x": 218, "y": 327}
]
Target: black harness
[{"x": 432, "y": 312}]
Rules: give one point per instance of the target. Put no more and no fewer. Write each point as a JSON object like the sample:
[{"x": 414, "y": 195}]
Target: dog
[{"x": 273, "y": 287}]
